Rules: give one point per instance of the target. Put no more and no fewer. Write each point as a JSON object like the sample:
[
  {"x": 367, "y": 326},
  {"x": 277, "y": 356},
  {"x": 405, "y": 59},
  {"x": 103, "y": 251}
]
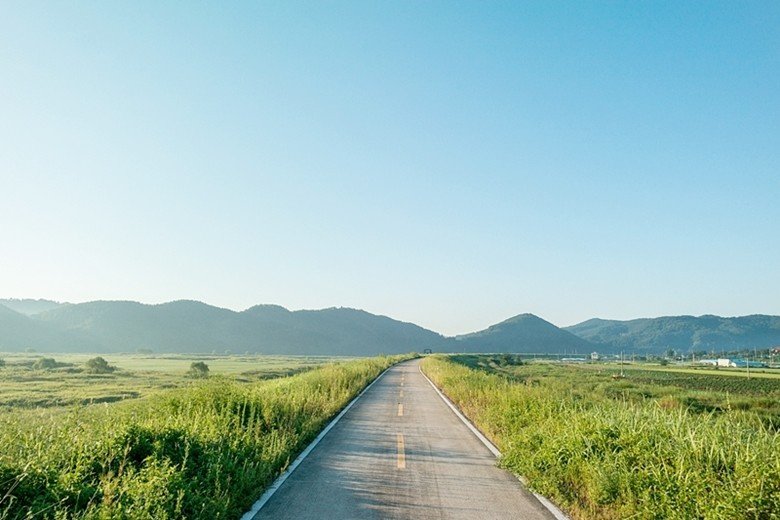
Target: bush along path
[
  {"x": 607, "y": 459},
  {"x": 207, "y": 451}
]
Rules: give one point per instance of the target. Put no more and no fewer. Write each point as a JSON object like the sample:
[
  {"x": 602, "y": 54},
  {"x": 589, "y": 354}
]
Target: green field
[
  {"x": 205, "y": 449},
  {"x": 696, "y": 391},
  {"x": 21, "y": 386},
  {"x": 768, "y": 373},
  {"x": 652, "y": 444}
]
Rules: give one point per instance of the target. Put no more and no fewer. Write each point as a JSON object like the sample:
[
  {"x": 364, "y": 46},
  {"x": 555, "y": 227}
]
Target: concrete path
[{"x": 400, "y": 452}]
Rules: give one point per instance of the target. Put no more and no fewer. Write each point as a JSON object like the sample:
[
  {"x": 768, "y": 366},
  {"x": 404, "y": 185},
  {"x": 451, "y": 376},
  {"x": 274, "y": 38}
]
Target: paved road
[{"x": 400, "y": 452}]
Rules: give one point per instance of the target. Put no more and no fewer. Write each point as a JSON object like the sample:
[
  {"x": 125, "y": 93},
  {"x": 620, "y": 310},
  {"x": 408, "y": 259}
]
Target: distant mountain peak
[
  {"x": 266, "y": 308},
  {"x": 524, "y": 317},
  {"x": 523, "y": 333}
]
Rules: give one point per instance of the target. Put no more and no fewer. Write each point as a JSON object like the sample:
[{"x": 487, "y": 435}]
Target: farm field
[
  {"x": 697, "y": 391},
  {"x": 768, "y": 373},
  {"x": 204, "y": 450},
  {"x": 652, "y": 444},
  {"x": 23, "y": 386}
]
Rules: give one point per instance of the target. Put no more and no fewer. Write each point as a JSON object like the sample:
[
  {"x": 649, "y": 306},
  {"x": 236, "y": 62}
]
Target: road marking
[
  {"x": 401, "y": 393},
  {"x": 257, "y": 506},
  {"x": 401, "y": 456},
  {"x": 402, "y": 383},
  {"x": 400, "y": 409}
]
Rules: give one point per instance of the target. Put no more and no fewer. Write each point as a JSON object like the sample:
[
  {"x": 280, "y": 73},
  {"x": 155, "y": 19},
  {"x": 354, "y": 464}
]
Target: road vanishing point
[{"x": 401, "y": 452}]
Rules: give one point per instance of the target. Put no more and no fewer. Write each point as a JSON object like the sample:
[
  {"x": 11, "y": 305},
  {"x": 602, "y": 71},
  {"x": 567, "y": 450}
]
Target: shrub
[
  {"x": 98, "y": 365},
  {"x": 198, "y": 370},
  {"x": 45, "y": 363},
  {"x": 2, "y": 362}
]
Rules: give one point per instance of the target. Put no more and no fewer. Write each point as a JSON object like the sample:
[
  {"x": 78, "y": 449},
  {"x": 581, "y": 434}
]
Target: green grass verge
[
  {"x": 607, "y": 458},
  {"x": 205, "y": 451}
]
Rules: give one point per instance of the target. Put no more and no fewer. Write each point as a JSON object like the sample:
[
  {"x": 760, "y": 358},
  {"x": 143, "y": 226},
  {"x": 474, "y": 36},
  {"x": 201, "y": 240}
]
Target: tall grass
[
  {"x": 203, "y": 452},
  {"x": 608, "y": 459}
]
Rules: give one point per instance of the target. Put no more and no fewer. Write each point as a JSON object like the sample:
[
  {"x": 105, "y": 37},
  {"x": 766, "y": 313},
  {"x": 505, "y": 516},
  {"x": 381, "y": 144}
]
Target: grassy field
[
  {"x": 768, "y": 373},
  {"x": 204, "y": 450},
  {"x": 653, "y": 444},
  {"x": 697, "y": 391},
  {"x": 22, "y": 386}
]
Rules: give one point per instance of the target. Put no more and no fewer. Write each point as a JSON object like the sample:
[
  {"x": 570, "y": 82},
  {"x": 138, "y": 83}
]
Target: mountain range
[
  {"x": 195, "y": 327},
  {"x": 683, "y": 333},
  {"x": 190, "y": 326}
]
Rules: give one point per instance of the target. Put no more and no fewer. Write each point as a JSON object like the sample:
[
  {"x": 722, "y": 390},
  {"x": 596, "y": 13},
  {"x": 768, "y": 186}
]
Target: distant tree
[
  {"x": 144, "y": 351},
  {"x": 98, "y": 365},
  {"x": 45, "y": 363},
  {"x": 198, "y": 370},
  {"x": 509, "y": 360},
  {"x": 664, "y": 362},
  {"x": 2, "y": 362}
]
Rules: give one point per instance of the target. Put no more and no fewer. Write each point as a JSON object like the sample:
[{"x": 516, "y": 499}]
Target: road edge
[
  {"x": 274, "y": 487},
  {"x": 557, "y": 513}
]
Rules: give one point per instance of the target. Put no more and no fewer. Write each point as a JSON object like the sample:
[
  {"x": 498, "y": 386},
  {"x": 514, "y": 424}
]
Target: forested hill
[
  {"x": 683, "y": 333},
  {"x": 18, "y": 332},
  {"x": 524, "y": 333},
  {"x": 189, "y": 326}
]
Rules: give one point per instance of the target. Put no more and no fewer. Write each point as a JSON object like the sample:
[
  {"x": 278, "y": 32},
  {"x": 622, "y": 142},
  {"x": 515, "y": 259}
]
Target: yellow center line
[
  {"x": 400, "y": 409},
  {"x": 401, "y": 455}
]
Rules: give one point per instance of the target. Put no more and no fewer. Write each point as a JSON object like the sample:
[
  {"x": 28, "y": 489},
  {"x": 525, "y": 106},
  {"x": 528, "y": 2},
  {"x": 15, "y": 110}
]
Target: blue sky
[{"x": 447, "y": 163}]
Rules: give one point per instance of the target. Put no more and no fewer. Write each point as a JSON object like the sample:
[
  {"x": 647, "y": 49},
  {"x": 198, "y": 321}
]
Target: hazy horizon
[{"x": 449, "y": 165}]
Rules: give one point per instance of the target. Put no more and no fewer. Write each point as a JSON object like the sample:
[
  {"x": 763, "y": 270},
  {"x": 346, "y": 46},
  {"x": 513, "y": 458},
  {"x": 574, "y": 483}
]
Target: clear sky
[{"x": 447, "y": 163}]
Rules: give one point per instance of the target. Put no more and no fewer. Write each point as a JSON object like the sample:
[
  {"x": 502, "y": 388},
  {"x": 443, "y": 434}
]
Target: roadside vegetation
[
  {"x": 203, "y": 451},
  {"x": 651, "y": 444}
]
